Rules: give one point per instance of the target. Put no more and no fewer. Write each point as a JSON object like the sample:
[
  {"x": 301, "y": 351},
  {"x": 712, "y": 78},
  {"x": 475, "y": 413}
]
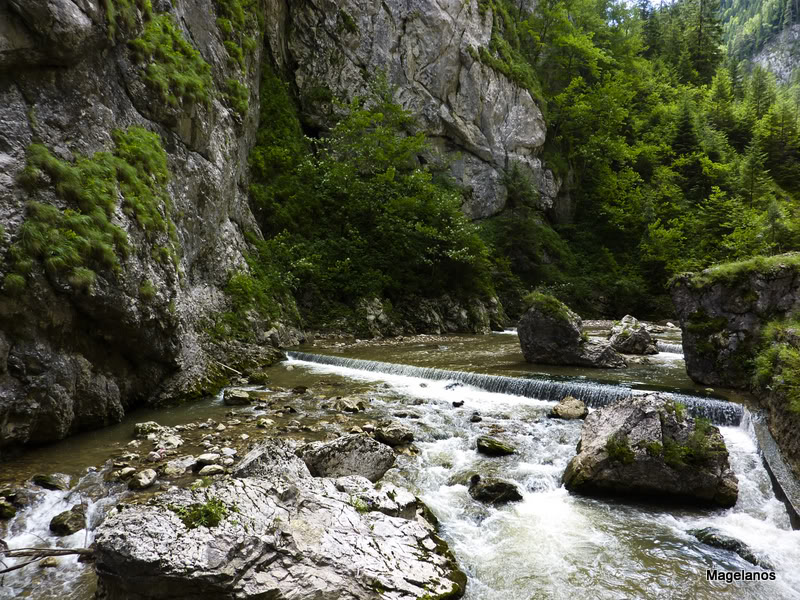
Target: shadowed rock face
[
  {"x": 554, "y": 337},
  {"x": 290, "y": 536},
  {"x": 645, "y": 447}
]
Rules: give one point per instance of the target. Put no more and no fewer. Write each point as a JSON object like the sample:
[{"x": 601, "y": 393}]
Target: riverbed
[{"x": 552, "y": 544}]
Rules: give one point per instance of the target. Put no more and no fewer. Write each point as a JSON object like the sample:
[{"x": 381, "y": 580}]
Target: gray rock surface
[
  {"x": 569, "y": 408},
  {"x": 352, "y": 454},
  {"x": 646, "y": 447},
  {"x": 493, "y": 490},
  {"x": 234, "y": 397},
  {"x": 302, "y": 538},
  {"x": 629, "y": 336},
  {"x": 553, "y": 336},
  {"x": 493, "y": 447},
  {"x": 56, "y": 481},
  {"x": 142, "y": 480},
  {"x": 394, "y": 434},
  {"x": 715, "y": 538}
]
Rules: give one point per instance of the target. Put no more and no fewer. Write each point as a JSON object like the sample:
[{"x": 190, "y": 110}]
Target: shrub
[
  {"x": 619, "y": 449},
  {"x": 208, "y": 514}
]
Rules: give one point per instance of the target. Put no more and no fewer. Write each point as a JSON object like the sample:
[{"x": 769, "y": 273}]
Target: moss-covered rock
[
  {"x": 69, "y": 521},
  {"x": 494, "y": 447}
]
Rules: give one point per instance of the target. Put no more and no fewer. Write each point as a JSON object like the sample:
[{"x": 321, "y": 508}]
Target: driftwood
[{"x": 38, "y": 554}]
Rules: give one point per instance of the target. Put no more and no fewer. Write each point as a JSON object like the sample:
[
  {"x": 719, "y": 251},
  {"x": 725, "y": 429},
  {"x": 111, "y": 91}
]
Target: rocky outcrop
[
  {"x": 478, "y": 120},
  {"x": 283, "y": 535},
  {"x": 779, "y": 54},
  {"x": 629, "y": 336},
  {"x": 550, "y": 333},
  {"x": 86, "y": 335},
  {"x": 353, "y": 454},
  {"x": 648, "y": 447},
  {"x": 722, "y": 311},
  {"x": 569, "y": 408}
]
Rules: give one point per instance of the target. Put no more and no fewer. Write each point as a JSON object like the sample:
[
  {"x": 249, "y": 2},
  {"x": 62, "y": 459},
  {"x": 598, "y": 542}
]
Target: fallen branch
[
  {"x": 45, "y": 552},
  {"x": 226, "y": 367}
]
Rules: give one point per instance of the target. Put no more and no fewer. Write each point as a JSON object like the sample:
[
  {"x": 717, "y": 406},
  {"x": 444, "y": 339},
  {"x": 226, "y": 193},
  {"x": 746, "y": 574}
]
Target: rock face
[
  {"x": 550, "y": 333},
  {"x": 647, "y": 447},
  {"x": 291, "y": 536},
  {"x": 631, "y": 337},
  {"x": 76, "y": 353},
  {"x": 354, "y": 454},
  {"x": 476, "y": 117},
  {"x": 569, "y": 408}
]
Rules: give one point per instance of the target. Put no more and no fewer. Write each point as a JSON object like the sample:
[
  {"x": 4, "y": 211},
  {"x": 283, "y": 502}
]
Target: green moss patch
[
  {"x": 777, "y": 364},
  {"x": 619, "y": 449},
  {"x": 207, "y": 514},
  {"x": 241, "y": 23},
  {"x": 123, "y": 14},
  {"x": 547, "y": 304},
  {"x": 734, "y": 273}
]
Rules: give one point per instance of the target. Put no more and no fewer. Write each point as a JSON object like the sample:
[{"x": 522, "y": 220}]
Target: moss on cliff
[
  {"x": 777, "y": 364},
  {"x": 124, "y": 14},
  {"x": 173, "y": 67},
  {"x": 735, "y": 273},
  {"x": 241, "y": 23},
  {"x": 80, "y": 239},
  {"x": 548, "y": 305}
]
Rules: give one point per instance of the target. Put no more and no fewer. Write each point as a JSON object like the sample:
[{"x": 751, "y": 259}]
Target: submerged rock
[
  {"x": 569, "y": 408},
  {"x": 493, "y": 490},
  {"x": 629, "y": 336},
  {"x": 7, "y": 510},
  {"x": 646, "y": 446},
  {"x": 353, "y": 454},
  {"x": 303, "y": 537},
  {"x": 715, "y": 538},
  {"x": 550, "y": 333},
  {"x": 394, "y": 434},
  {"x": 69, "y": 521},
  {"x": 494, "y": 447}
]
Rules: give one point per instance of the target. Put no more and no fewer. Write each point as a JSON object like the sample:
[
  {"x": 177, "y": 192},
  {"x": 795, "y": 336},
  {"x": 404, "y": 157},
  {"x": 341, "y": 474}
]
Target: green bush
[
  {"x": 208, "y": 514},
  {"x": 549, "y": 305},
  {"x": 172, "y": 66},
  {"x": 238, "y": 96},
  {"x": 777, "y": 363},
  {"x": 619, "y": 449},
  {"x": 147, "y": 291},
  {"x": 123, "y": 13}
]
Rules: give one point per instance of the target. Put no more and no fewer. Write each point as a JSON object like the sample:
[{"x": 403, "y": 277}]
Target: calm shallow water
[{"x": 550, "y": 545}]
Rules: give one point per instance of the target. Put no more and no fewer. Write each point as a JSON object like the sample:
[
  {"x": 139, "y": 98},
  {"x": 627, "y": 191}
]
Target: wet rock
[
  {"x": 475, "y": 418},
  {"x": 69, "y": 521},
  {"x": 142, "y": 430},
  {"x": 713, "y": 537},
  {"x": 454, "y": 385},
  {"x": 7, "y": 510},
  {"x": 283, "y": 530},
  {"x": 646, "y": 446},
  {"x": 210, "y": 458},
  {"x": 394, "y": 434},
  {"x": 629, "y": 336},
  {"x": 179, "y": 466},
  {"x": 493, "y": 490},
  {"x": 210, "y": 470},
  {"x": 353, "y": 454},
  {"x": 124, "y": 474},
  {"x": 550, "y": 333},
  {"x": 494, "y": 447},
  {"x": 56, "y": 481},
  {"x": 264, "y": 423},
  {"x": 300, "y": 389},
  {"x": 142, "y": 480},
  {"x": 51, "y": 562},
  {"x": 458, "y": 403},
  {"x": 19, "y": 497},
  {"x": 350, "y": 404},
  {"x": 569, "y": 408},
  {"x": 388, "y": 499},
  {"x": 234, "y": 397}
]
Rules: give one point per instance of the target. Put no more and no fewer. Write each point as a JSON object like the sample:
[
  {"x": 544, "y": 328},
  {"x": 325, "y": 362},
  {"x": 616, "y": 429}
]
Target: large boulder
[
  {"x": 493, "y": 490},
  {"x": 550, "y": 333},
  {"x": 69, "y": 521},
  {"x": 569, "y": 408},
  {"x": 354, "y": 454},
  {"x": 629, "y": 336},
  {"x": 275, "y": 536},
  {"x": 646, "y": 446}
]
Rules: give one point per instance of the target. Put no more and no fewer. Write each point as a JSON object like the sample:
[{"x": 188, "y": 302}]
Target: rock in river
[
  {"x": 69, "y": 521},
  {"x": 493, "y": 490},
  {"x": 142, "y": 479},
  {"x": 717, "y": 539},
  {"x": 493, "y": 447},
  {"x": 629, "y": 336},
  {"x": 647, "y": 446},
  {"x": 353, "y": 454},
  {"x": 394, "y": 434},
  {"x": 234, "y": 397},
  {"x": 569, "y": 408},
  {"x": 279, "y": 536},
  {"x": 550, "y": 333}
]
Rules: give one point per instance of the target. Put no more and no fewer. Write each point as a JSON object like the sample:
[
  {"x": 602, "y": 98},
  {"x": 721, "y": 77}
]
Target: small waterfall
[
  {"x": 595, "y": 395},
  {"x": 667, "y": 347}
]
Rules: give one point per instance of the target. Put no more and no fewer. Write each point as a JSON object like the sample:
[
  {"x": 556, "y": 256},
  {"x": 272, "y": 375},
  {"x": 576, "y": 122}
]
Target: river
[{"x": 550, "y": 545}]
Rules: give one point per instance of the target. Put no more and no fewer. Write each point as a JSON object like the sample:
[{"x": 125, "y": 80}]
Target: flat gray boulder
[
  {"x": 551, "y": 334},
  {"x": 648, "y": 447},
  {"x": 354, "y": 454}
]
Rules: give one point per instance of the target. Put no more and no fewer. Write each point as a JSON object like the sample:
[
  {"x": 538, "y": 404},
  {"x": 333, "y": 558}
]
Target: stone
[
  {"x": 550, "y": 333},
  {"x": 210, "y": 470},
  {"x": 142, "y": 430},
  {"x": 717, "y": 539},
  {"x": 51, "y": 562},
  {"x": 394, "y": 434},
  {"x": 69, "y": 522},
  {"x": 458, "y": 403},
  {"x": 494, "y": 447},
  {"x": 283, "y": 529},
  {"x": 7, "y": 510},
  {"x": 475, "y": 418},
  {"x": 352, "y": 454},
  {"x": 389, "y": 499},
  {"x": 142, "y": 480},
  {"x": 493, "y": 490},
  {"x": 350, "y": 404},
  {"x": 229, "y": 452},
  {"x": 210, "y": 458},
  {"x": 125, "y": 473},
  {"x": 179, "y": 466},
  {"x": 234, "y": 397},
  {"x": 569, "y": 408},
  {"x": 629, "y": 336},
  {"x": 57, "y": 481},
  {"x": 646, "y": 447},
  {"x": 220, "y": 427},
  {"x": 264, "y": 423}
]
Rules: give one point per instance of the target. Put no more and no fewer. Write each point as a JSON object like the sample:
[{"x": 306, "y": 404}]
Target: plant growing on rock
[
  {"x": 619, "y": 449},
  {"x": 207, "y": 514}
]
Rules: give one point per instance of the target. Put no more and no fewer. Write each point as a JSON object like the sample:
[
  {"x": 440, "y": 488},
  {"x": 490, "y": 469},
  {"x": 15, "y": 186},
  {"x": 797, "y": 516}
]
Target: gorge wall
[{"x": 125, "y": 127}]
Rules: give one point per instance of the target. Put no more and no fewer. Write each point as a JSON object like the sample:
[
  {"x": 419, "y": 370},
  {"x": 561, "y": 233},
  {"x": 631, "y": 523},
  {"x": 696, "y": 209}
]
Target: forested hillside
[
  {"x": 749, "y": 24},
  {"x": 674, "y": 156}
]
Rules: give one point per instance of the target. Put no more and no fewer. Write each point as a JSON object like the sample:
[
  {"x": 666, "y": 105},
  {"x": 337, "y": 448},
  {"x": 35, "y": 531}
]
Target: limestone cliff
[{"x": 125, "y": 127}]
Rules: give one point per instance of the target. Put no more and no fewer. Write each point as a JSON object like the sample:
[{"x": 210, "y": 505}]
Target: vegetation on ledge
[{"x": 777, "y": 364}]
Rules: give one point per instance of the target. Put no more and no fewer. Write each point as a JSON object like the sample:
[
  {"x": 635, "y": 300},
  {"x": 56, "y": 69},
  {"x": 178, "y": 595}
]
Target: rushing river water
[{"x": 551, "y": 545}]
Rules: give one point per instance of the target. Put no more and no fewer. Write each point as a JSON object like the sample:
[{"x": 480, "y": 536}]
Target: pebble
[{"x": 221, "y": 427}]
